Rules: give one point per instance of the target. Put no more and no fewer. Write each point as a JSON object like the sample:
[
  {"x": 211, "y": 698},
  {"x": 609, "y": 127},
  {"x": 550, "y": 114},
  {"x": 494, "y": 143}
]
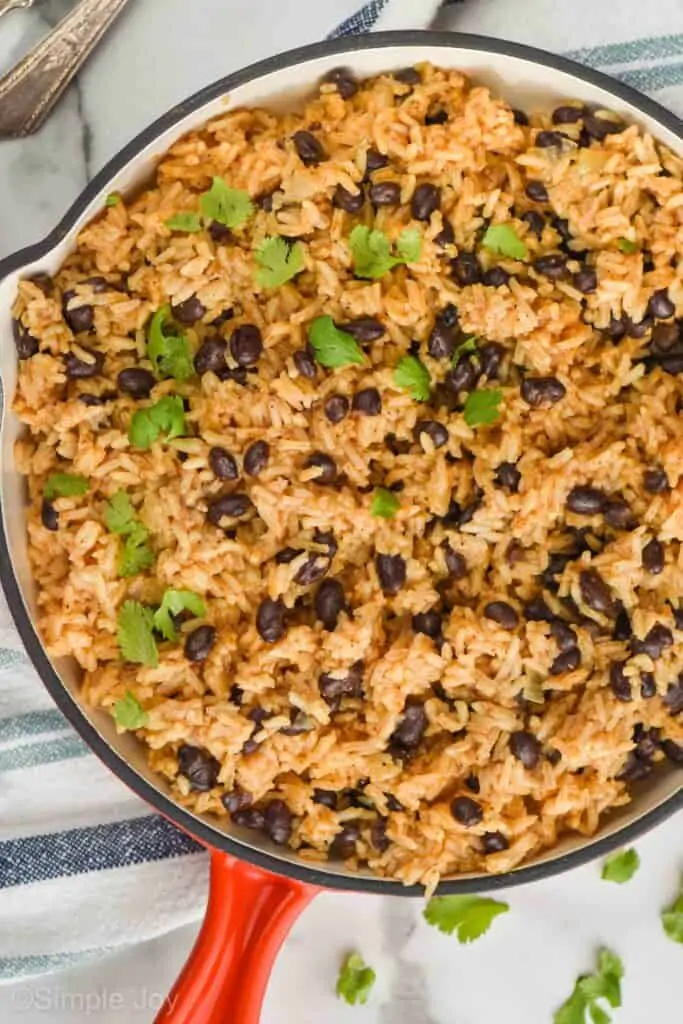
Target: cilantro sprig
[
  {"x": 672, "y": 920},
  {"x": 166, "y": 418},
  {"x": 333, "y": 348},
  {"x": 174, "y": 602},
  {"x": 65, "y": 485},
  {"x": 170, "y": 354},
  {"x": 410, "y": 373},
  {"x": 504, "y": 240},
  {"x": 605, "y": 985},
  {"x": 466, "y": 347},
  {"x": 229, "y": 206},
  {"x": 137, "y": 622},
  {"x": 621, "y": 866},
  {"x": 113, "y": 199},
  {"x": 136, "y": 554},
  {"x": 372, "y": 254},
  {"x": 385, "y": 504},
  {"x": 355, "y": 980},
  {"x": 469, "y": 917},
  {"x": 190, "y": 222},
  {"x": 278, "y": 261},
  {"x": 129, "y": 713},
  {"x": 627, "y": 246},
  {"x": 482, "y": 407}
]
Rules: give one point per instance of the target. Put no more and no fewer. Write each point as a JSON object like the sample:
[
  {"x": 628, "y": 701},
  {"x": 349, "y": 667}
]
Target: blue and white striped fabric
[{"x": 84, "y": 866}]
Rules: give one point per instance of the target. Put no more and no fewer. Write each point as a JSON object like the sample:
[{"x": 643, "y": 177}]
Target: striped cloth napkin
[{"x": 84, "y": 866}]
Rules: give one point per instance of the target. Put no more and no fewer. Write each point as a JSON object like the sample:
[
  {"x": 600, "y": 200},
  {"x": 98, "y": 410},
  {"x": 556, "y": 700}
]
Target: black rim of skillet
[{"x": 204, "y": 832}]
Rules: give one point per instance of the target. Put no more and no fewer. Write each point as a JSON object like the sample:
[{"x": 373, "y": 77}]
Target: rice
[{"x": 414, "y": 717}]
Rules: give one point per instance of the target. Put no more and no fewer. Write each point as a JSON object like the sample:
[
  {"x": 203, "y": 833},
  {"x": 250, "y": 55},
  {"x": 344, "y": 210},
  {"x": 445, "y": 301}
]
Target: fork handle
[{"x": 30, "y": 90}]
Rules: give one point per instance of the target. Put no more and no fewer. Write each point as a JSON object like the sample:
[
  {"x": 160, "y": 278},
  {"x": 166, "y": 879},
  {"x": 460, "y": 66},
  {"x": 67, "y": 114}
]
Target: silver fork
[
  {"x": 14, "y": 5},
  {"x": 30, "y": 90}
]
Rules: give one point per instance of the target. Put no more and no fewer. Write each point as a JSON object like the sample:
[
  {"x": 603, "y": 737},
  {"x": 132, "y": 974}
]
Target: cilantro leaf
[
  {"x": 672, "y": 920},
  {"x": 129, "y": 714},
  {"x": 604, "y": 984},
  {"x": 504, "y": 240},
  {"x": 65, "y": 485},
  {"x": 465, "y": 347},
  {"x": 113, "y": 199},
  {"x": 173, "y": 603},
  {"x": 385, "y": 504},
  {"x": 190, "y": 222},
  {"x": 170, "y": 354},
  {"x": 135, "y": 637},
  {"x": 621, "y": 866},
  {"x": 229, "y": 206},
  {"x": 166, "y": 417},
  {"x": 371, "y": 252},
  {"x": 409, "y": 245},
  {"x": 481, "y": 407},
  {"x": 414, "y": 375},
  {"x": 468, "y": 916},
  {"x": 626, "y": 246},
  {"x": 119, "y": 515},
  {"x": 355, "y": 980},
  {"x": 136, "y": 554},
  {"x": 278, "y": 261},
  {"x": 332, "y": 347}
]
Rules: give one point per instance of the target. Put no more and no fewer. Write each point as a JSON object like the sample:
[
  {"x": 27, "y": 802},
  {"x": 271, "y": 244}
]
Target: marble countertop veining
[{"x": 159, "y": 52}]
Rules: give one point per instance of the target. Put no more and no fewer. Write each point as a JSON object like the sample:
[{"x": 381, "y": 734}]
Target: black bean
[
  {"x": 336, "y": 408},
  {"x": 538, "y": 391},
  {"x": 428, "y": 623},
  {"x": 378, "y": 835},
  {"x": 439, "y": 116},
  {"x": 90, "y": 400},
  {"x": 600, "y": 127},
  {"x": 586, "y": 501},
  {"x": 463, "y": 376},
  {"x": 535, "y": 221},
  {"x": 313, "y": 569},
  {"x": 647, "y": 741},
  {"x": 25, "y": 344},
  {"x": 619, "y": 515},
  {"x": 345, "y": 81},
  {"x": 43, "y": 281},
  {"x": 349, "y": 202},
  {"x": 249, "y": 817},
  {"x": 385, "y": 193},
  {"x": 367, "y": 401},
  {"x": 619, "y": 681},
  {"x": 673, "y": 700},
  {"x": 392, "y": 803},
  {"x": 666, "y": 335},
  {"x": 411, "y": 729},
  {"x": 520, "y": 117},
  {"x": 567, "y": 661},
  {"x": 409, "y": 76},
  {"x": 655, "y": 481},
  {"x": 553, "y": 265},
  {"x": 536, "y": 191},
  {"x": 233, "y": 506},
  {"x": 364, "y": 329},
  {"x": 585, "y": 280},
  {"x": 80, "y": 369},
  {"x": 309, "y": 148},
  {"x": 329, "y": 603},
  {"x": 656, "y": 641},
  {"x": 653, "y": 557},
  {"x": 568, "y": 114},
  {"x": 490, "y": 357},
  {"x": 622, "y": 626},
  {"x": 466, "y": 269},
  {"x": 304, "y": 363},
  {"x": 637, "y": 329},
  {"x": 49, "y": 515},
  {"x": 299, "y": 723},
  {"x": 441, "y": 341},
  {"x": 537, "y": 610},
  {"x": 391, "y": 572},
  {"x": 79, "y": 318},
  {"x": 455, "y": 563},
  {"x": 325, "y": 464},
  {"x": 473, "y": 784},
  {"x": 136, "y": 382},
  {"x": 374, "y": 161},
  {"x": 189, "y": 311},
  {"x": 446, "y": 236},
  {"x": 507, "y": 476},
  {"x": 553, "y": 756},
  {"x": 256, "y": 457},
  {"x": 563, "y": 635},
  {"x": 343, "y": 845},
  {"x": 198, "y": 766},
  {"x": 326, "y": 539},
  {"x": 494, "y": 842},
  {"x": 334, "y": 686},
  {"x": 660, "y": 305},
  {"x": 525, "y": 747},
  {"x": 199, "y": 643},
  {"x": 246, "y": 345},
  {"x": 635, "y": 769},
  {"x": 325, "y": 797},
  {"x": 220, "y": 233},
  {"x": 502, "y": 613},
  {"x": 236, "y": 695},
  {"x": 466, "y": 811},
  {"x": 278, "y": 822},
  {"x": 648, "y": 685},
  {"x": 496, "y": 277},
  {"x": 672, "y": 364},
  {"x": 595, "y": 592},
  {"x": 236, "y": 800},
  {"x": 435, "y": 431},
  {"x": 673, "y": 751},
  {"x": 426, "y": 199},
  {"x": 210, "y": 357},
  {"x": 223, "y": 464},
  {"x": 270, "y": 620},
  {"x": 546, "y": 139}
]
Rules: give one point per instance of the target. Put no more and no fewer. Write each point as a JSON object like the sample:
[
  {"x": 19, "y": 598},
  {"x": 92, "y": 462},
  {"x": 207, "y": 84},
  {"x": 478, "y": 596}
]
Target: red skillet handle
[{"x": 248, "y": 916}]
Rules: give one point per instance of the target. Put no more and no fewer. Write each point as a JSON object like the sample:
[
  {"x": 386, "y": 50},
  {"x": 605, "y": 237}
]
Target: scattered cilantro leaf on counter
[
  {"x": 626, "y": 246},
  {"x": 333, "y": 348},
  {"x": 481, "y": 407},
  {"x": 190, "y": 222},
  {"x": 371, "y": 250},
  {"x": 385, "y": 504},
  {"x": 410, "y": 373},
  {"x": 468, "y": 916},
  {"x": 621, "y": 866},
  {"x": 229, "y": 206},
  {"x": 355, "y": 980},
  {"x": 279, "y": 261},
  {"x": 409, "y": 245},
  {"x": 466, "y": 347},
  {"x": 135, "y": 636},
  {"x": 672, "y": 920},
  {"x": 504, "y": 240},
  {"x": 604, "y": 984},
  {"x": 170, "y": 354},
  {"x": 65, "y": 485},
  {"x": 173, "y": 603},
  {"x": 166, "y": 417},
  {"x": 129, "y": 714}
]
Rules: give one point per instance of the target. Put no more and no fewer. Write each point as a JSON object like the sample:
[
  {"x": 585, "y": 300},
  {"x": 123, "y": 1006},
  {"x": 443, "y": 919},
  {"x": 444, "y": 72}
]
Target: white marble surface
[{"x": 159, "y": 52}]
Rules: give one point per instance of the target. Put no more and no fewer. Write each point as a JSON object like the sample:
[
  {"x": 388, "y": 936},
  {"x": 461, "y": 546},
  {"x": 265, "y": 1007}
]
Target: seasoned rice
[{"x": 421, "y": 746}]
